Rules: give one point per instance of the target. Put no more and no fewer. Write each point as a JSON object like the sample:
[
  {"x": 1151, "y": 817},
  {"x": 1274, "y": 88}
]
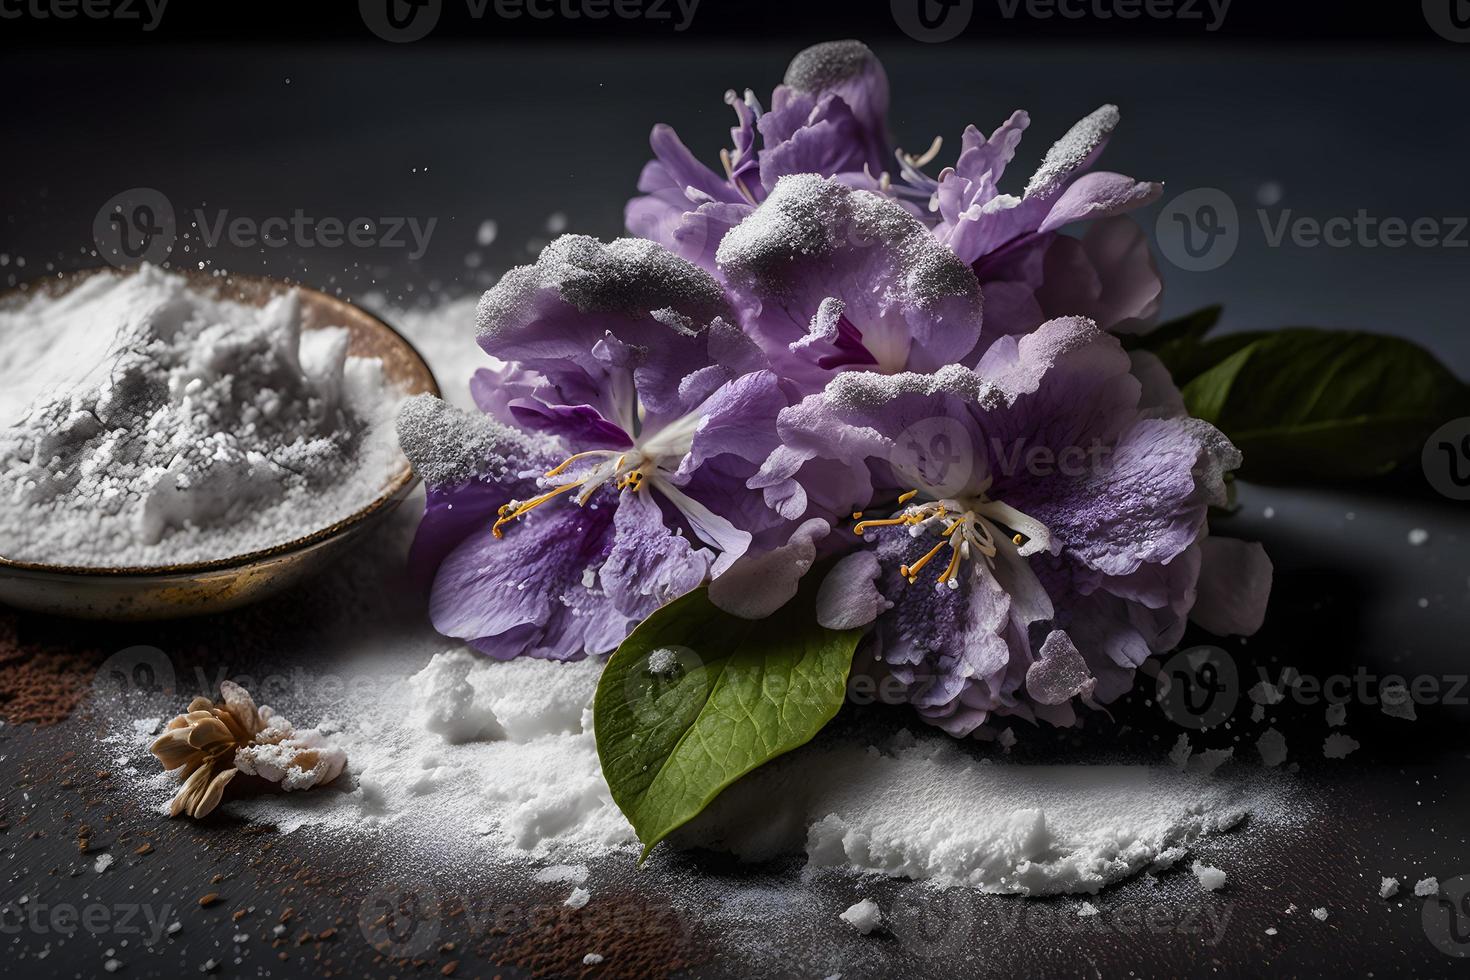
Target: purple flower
[
  {"x": 608, "y": 473},
  {"x": 1046, "y": 531},
  {"x": 827, "y": 118},
  {"x": 1029, "y": 271}
]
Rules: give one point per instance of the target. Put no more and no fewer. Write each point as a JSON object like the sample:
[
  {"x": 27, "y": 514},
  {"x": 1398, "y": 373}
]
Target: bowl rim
[{"x": 402, "y": 482}]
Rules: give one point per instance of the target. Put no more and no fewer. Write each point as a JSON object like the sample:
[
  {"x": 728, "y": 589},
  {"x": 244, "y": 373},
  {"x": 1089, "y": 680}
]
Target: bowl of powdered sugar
[{"x": 175, "y": 444}]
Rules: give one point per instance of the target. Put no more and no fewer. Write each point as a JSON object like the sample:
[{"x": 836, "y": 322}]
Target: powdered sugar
[{"x": 143, "y": 422}]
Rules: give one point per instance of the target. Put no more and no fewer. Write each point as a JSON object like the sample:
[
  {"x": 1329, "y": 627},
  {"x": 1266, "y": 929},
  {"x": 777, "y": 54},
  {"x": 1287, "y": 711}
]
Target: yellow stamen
[
  {"x": 905, "y": 498},
  {"x": 954, "y": 564},
  {"x": 912, "y": 571},
  {"x": 560, "y": 467},
  {"x": 857, "y": 515},
  {"x": 523, "y": 509},
  {"x": 1017, "y": 539}
]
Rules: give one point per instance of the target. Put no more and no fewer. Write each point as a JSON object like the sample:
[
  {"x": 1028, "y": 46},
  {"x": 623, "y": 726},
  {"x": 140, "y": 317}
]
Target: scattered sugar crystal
[
  {"x": 592, "y": 959},
  {"x": 103, "y": 862},
  {"x": 1319, "y": 914},
  {"x": 1425, "y": 887},
  {"x": 1271, "y": 931},
  {"x": 1272, "y": 746},
  {"x": 1210, "y": 879},
  {"x": 578, "y": 898},
  {"x": 1388, "y": 888},
  {"x": 863, "y": 916},
  {"x": 662, "y": 661},
  {"x": 1086, "y": 910},
  {"x": 1418, "y": 536},
  {"x": 1337, "y": 714},
  {"x": 1339, "y": 746},
  {"x": 1396, "y": 702}
]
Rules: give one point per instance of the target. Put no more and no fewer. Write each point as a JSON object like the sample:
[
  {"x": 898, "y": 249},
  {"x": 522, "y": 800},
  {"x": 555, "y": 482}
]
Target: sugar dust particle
[
  {"x": 592, "y": 959},
  {"x": 1425, "y": 887},
  {"x": 863, "y": 916},
  {"x": 1086, "y": 910},
  {"x": 1388, "y": 888},
  {"x": 1210, "y": 879},
  {"x": 1339, "y": 746},
  {"x": 487, "y": 232},
  {"x": 1418, "y": 536},
  {"x": 1319, "y": 914},
  {"x": 578, "y": 898},
  {"x": 556, "y": 222},
  {"x": 1268, "y": 513}
]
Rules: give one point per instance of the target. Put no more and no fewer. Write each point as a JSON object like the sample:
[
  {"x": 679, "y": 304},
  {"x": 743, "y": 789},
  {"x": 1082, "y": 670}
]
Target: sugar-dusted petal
[
  {"x": 850, "y": 71},
  {"x": 607, "y": 322},
  {"x": 914, "y": 304}
]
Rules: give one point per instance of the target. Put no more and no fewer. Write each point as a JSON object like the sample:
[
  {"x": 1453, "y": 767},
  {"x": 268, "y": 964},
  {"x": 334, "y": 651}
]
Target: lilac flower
[
  {"x": 1047, "y": 531},
  {"x": 828, "y": 118},
  {"x": 1029, "y": 271},
  {"x": 608, "y": 474}
]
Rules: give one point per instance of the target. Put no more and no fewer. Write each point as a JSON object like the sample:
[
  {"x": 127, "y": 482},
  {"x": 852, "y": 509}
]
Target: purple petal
[{"x": 1234, "y": 585}]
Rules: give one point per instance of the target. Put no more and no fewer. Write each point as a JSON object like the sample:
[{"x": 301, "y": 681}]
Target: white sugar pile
[
  {"x": 487, "y": 762},
  {"x": 143, "y": 422},
  {"x": 445, "y": 335}
]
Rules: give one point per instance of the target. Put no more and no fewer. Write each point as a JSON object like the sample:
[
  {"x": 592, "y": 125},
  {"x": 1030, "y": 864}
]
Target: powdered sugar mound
[
  {"x": 145, "y": 422},
  {"x": 449, "y": 446},
  {"x": 925, "y": 809}
]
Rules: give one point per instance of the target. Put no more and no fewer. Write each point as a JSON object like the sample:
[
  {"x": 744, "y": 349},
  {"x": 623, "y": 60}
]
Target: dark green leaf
[
  {"x": 723, "y": 696},
  {"x": 1322, "y": 404}
]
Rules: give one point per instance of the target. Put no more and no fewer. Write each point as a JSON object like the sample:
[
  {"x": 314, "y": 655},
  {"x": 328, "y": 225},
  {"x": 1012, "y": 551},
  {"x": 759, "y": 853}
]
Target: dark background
[{"x": 265, "y": 108}]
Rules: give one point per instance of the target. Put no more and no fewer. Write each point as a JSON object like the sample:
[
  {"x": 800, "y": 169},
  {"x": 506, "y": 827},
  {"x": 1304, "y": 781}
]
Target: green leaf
[
  {"x": 728, "y": 696},
  {"x": 1322, "y": 403}
]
